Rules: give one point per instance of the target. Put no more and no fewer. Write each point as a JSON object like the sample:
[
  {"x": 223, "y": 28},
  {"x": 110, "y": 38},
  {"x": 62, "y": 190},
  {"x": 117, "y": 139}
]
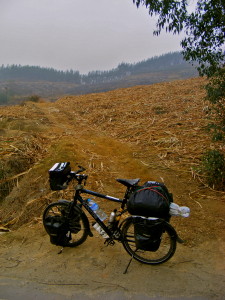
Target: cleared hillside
[
  {"x": 17, "y": 83},
  {"x": 151, "y": 132}
]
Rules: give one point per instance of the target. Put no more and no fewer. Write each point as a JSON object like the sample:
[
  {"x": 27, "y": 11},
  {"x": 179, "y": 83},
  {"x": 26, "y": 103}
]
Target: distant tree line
[
  {"x": 164, "y": 62},
  {"x": 34, "y": 73},
  {"x": 18, "y": 83}
]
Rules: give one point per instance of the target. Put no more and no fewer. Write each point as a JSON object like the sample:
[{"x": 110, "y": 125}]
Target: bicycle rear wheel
[
  {"x": 159, "y": 253},
  {"x": 78, "y": 222}
]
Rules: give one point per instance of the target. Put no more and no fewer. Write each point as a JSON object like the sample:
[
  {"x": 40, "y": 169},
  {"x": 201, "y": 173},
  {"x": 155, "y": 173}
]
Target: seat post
[{"x": 125, "y": 197}]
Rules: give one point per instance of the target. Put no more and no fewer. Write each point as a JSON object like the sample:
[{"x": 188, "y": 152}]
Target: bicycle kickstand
[
  {"x": 61, "y": 250},
  {"x": 125, "y": 272},
  {"x": 129, "y": 262}
]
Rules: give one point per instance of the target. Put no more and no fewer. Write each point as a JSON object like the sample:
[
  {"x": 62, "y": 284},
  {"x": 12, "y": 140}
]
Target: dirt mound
[{"x": 152, "y": 132}]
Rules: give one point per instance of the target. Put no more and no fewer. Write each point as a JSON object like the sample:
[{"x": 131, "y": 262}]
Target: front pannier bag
[
  {"x": 58, "y": 230},
  {"x": 151, "y": 200}
]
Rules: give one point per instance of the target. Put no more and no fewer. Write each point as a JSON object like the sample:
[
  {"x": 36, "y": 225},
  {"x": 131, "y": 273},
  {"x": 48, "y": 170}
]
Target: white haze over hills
[{"x": 79, "y": 35}]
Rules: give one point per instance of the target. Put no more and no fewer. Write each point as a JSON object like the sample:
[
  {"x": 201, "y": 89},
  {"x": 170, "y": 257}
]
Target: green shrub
[
  {"x": 34, "y": 98},
  {"x": 213, "y": 168},
  {"x": 216, "y": 96}
]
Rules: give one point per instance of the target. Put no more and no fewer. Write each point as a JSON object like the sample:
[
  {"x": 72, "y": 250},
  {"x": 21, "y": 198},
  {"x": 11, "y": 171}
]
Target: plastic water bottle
[
  {"x": 95, "y": 207},
  {"x": 176, "y": 210},
  {"x": 101, "y": 231}
]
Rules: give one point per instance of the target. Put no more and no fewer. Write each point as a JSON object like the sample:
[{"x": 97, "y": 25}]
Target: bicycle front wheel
[
  {"x": 78, "y": 222},
  {"x": 153, "y": 252}
]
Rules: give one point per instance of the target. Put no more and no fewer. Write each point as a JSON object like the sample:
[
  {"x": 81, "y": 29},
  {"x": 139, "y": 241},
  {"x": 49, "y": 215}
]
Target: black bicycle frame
[
  {"x": 101, "y": 195},
  {"x": 91, "y": 212}
]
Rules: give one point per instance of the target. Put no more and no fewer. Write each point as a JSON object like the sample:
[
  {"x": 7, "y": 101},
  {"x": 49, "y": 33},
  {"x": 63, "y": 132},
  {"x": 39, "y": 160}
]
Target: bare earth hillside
[{"x": 149, "y": 132}]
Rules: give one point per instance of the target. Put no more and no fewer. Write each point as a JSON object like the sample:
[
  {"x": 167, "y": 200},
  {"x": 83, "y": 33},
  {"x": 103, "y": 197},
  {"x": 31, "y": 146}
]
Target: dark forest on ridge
[{"x": 17, "y": 82}]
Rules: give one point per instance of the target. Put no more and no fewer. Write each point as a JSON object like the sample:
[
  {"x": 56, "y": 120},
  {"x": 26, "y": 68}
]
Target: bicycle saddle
[{"x": 128, "y": 182}]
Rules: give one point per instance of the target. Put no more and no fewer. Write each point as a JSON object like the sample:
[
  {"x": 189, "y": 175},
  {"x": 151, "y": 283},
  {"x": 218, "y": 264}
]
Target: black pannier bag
[
  {"x": 58, "y": 230},
  {"x": 148, "y": 234},
  {"x": 74, "y": 223},
  {"x": 59, "y": 176},
  {"x": 60, "y": 227},
  {"x": 151, "y": 200}
]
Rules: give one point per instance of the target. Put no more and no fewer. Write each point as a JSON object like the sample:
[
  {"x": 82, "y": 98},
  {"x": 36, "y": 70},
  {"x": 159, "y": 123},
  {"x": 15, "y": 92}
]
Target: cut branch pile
[{"x": 166, "y": 120}]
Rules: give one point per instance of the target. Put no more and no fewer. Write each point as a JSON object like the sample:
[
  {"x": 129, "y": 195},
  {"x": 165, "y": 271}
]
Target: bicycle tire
[
  {"x": 61, "y": 208},
  {"x": 165, "y": 251}
]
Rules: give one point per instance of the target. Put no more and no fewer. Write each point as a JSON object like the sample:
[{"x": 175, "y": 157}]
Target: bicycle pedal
[
  {"x": 179, "y": 240},
  {"x": 109, "y": 242}
]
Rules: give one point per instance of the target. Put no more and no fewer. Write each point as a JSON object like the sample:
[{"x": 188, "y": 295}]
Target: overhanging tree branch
[{"x": 204, "y": 29}]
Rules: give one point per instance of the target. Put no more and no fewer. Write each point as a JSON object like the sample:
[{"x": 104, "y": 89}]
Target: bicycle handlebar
[
  {"x": 81, "y": 169},
  {"x": 77, "y": 176}
]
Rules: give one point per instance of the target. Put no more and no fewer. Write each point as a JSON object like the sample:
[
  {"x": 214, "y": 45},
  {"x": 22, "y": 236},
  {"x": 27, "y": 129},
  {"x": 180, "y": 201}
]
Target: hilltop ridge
[{"x": 18, "y": 82}]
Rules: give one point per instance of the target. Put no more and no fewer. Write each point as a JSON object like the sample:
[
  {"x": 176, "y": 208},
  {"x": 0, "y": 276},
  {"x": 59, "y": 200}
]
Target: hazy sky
[{"x": 83, "y": 35}]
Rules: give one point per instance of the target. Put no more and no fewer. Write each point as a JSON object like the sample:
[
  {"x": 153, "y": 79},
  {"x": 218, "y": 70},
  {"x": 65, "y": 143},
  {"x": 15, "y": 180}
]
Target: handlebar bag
[
  {"x": 58, "y": 176},
  {"x": 150, "y": 200}
]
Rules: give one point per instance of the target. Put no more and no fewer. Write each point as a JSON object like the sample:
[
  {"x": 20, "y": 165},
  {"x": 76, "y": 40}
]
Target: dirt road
[{"x": 31, "y": 266}]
